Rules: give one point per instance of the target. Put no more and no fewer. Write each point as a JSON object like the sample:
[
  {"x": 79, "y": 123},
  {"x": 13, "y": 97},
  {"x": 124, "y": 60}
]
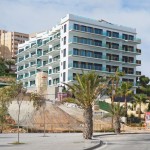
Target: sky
[{"x": 31, "y": 16}]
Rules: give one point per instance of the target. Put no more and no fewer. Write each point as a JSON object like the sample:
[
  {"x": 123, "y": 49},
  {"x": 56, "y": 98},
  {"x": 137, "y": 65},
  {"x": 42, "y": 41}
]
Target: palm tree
[
  {"x": 138, "y": 100},
  {"x": 125, "y": 90},
  {"x": 117, "y": 111},
  {"x": 112, "y": 90},
  {"x": 86, "y": 89}
]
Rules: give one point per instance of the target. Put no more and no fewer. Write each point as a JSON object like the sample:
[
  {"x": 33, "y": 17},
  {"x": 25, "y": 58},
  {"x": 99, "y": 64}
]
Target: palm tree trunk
[
  {"x": 112, "y": 119},
  {"x": 117, "y": 125},
  {"x": 88, "y": 123},
  {"x": 140, "y": 112}
]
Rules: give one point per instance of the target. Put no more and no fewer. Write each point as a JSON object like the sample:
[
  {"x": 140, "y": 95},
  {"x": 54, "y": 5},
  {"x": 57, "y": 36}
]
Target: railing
[
  {"x": 138, "y": 62},
  {"x": 138, "y": 40},
  {"x": 138, "y": 51},
  {"x": 104, "y": 45},
  {"x": 138, "y": 72}
]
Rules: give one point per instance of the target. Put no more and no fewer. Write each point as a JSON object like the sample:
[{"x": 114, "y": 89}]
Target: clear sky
[{"x": 37, "y": 15}]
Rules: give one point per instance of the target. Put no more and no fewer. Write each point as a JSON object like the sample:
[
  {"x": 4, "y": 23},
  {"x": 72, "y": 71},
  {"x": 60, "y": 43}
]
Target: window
[
  {"x": 50, "y": 82},
  {"x": 97, "y": 31},
  {"x": 32, "y": 63},
  {"x": 97, "y": 54},
  {"x": 108, "y": 33},
  {"x": 75, "y": 51},
  {"x": 50, "y": 71},
  {"x": 64, "y": 64},
  {"x": 83, "y": 28},
  {"x": 75, "y": 64},
  {"x": 83, "y": 53},
  {"x": 83, "y": 65},
  {"x": 115, "y": 45},
  {"x": 64, "y": 76},
  {"x": 64, "y": 53},
  {"x": 32, "y": 82},
  {"x": 89, "y": 29},
  {"x": 97, "y": 66},
  {"x": 90, "y": 66},
  {"x": 64, "y": 28},
  {"x": 125, "y": 36},
  {"x": 115, "y": 34},
  {"x": 76, "y": 26},
  {"x": 131, "y": 37},
  {"x": 89, "y": 54},
  {"x": 65, "y": 40},
  {"x": 97, "y": 43}
]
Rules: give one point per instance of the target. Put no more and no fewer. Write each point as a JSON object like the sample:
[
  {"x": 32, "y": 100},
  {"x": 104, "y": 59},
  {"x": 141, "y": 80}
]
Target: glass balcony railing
[
  {"x": 138, "y": 62},
  {"x": 39, "y": 64},
  {"x": 26, "y": 75},
  {"x": 103, "y": 33},
  {"x": 32, "y": 73},
  {"x": 39, "y": 54},
  {"x": 74, "y": 40},
  {"x": 45, "y": 63},
  {"x": 138, "y": 51},
  {"x": 138, "y": 72}
]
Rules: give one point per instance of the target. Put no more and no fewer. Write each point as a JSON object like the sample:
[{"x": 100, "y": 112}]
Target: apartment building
[
  {"x": 76, "y": 44},
  {"x": 9, "y": 43}
]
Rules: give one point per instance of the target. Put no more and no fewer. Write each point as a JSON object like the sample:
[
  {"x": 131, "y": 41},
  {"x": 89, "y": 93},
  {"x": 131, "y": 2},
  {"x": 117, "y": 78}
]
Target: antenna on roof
[{"x": 104, "y": 21}]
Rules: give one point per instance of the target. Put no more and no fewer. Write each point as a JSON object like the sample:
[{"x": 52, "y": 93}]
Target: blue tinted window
[
  {"x": 83, "y": 28},
  {"x": 98, "y": 31},
  {"x": 115, "y": 34},
  {"x": 83, "y": 65},
  {"x": 75, "y": 51},
  {"x": 89, "y": 29},
  {"x": 76, "y": 26},
  {"x": 90, "y": 65},
  {"x": 83, "y": 53},
  {"x": 97, "y": 43},
  {"x": 75, "y": 64},
  {"x": 89, "y": 54}
]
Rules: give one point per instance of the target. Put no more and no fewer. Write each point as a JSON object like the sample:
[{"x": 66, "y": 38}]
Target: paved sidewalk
[{"x": 52, "y": 141}]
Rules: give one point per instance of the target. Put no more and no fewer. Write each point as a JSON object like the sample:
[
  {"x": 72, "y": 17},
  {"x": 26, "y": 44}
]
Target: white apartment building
[{"x": 77, "y": 44}]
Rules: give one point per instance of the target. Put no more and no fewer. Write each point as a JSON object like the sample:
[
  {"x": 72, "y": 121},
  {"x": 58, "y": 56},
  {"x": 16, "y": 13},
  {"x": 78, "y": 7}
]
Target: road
[{"x": 126, "y": 142}]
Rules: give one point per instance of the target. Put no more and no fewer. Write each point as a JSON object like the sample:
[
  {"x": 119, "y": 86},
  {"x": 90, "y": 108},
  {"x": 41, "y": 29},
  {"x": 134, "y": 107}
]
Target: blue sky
[{"x": 37, "y": 15}]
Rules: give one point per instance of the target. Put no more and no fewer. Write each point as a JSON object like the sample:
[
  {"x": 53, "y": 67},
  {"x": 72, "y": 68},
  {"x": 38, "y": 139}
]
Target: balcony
[
  {"x": 138, "y": 73},
  {"x": 138, "y": 62},
  {"x": 138, "y": 51},
  {"x": 53, "y": 51},
  {"x": 128, "y": 61},
  {"x": 102, "y": 33}
]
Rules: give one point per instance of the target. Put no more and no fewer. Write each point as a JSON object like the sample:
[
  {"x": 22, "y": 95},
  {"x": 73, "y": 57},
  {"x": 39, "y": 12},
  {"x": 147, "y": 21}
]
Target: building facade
[
  {"x": 9, "y": 43},
  {"x": 78, "y": 44}
]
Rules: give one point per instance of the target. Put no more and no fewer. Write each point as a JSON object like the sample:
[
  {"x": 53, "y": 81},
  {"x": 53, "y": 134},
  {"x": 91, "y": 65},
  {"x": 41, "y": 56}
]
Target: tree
[
  {"x": 117, "y": 111},
  {"x": 114, "y": 84},
  {"x": 18, "y": 93},
  {"x": 10, "y": 62},
  {"x": 4, "y": 103},
  {"x": 125, "y": 90},
  {"x": 143, "y": 88},
  {"x": 3, "y": 67},
  {"x": 138, "y": 100},
  {"x": 86, "y": 89}
]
